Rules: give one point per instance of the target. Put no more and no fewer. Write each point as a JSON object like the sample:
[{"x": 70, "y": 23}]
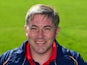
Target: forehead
[{"x": 41, "y": 19}]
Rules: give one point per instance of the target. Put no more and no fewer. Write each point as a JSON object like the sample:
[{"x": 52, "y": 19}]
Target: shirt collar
[{"x": 52, "y": 58}]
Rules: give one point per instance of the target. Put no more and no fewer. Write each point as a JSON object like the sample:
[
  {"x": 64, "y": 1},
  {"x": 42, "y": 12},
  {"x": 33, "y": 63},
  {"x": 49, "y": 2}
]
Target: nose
[{"x": 40, "y": 34}]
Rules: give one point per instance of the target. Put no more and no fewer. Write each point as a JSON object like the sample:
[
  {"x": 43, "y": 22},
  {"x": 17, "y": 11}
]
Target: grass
[{"x": 73, "y": 25}]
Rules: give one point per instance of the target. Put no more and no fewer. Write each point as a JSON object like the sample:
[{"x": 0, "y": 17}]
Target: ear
[
  {"x": 57, "y": 31},
  {"x": 26, "y": 30}
]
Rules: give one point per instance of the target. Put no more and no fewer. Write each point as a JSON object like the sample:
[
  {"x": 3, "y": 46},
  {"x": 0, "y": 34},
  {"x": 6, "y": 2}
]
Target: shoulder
[
  {"x": 65, "y": 51},
  {"x": 14, "y": 56},
  {"x": 11, "y": 55},
  {"x": 68, "y": 54}
]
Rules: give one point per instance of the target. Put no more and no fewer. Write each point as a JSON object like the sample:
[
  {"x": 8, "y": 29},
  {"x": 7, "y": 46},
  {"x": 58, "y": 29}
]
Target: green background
[{"x": 73, "y": 23}]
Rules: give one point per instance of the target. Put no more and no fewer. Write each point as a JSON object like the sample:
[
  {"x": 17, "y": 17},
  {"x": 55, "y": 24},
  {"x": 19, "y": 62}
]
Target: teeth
[{"x": 39, "y": 42}]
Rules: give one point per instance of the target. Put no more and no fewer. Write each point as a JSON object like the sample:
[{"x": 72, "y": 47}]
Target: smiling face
[{"x": 41, "y": 33}]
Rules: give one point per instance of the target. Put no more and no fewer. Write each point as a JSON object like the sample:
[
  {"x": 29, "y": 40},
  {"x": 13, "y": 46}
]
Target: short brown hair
[{"x": 42, "y": 9}]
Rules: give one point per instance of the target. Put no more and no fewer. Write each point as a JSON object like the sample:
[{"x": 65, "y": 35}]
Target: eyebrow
[
  {"x": 48, "y": 26},
  {"x": 34, "y": 26},
  {"x": 44, "y": 26}
]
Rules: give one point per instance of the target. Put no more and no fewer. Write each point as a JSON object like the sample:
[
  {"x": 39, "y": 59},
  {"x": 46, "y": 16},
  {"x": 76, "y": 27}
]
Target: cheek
[
  {"x": 31, "y": 34},
  {"x": 50, "y": 35}
]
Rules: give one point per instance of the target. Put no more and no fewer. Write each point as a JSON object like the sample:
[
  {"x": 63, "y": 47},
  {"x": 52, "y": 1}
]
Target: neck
[{"x": 41, "y": 58}]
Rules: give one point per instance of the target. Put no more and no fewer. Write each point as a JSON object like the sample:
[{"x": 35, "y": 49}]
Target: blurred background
[{"x": 73, "y": 23}]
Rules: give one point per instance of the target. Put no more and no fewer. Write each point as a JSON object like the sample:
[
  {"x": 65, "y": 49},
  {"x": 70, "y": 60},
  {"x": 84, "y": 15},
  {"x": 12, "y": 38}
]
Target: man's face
[{"x": 41, "y": 33}]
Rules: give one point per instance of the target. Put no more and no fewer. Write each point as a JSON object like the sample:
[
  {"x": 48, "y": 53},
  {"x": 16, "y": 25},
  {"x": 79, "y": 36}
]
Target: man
[{"x": 41, "y": 48}]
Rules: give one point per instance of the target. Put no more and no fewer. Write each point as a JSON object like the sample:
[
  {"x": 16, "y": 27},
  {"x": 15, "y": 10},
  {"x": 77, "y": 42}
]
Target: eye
[
  {"x": 33, "y": 28},
  {"x": 47, "y": 28}
]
